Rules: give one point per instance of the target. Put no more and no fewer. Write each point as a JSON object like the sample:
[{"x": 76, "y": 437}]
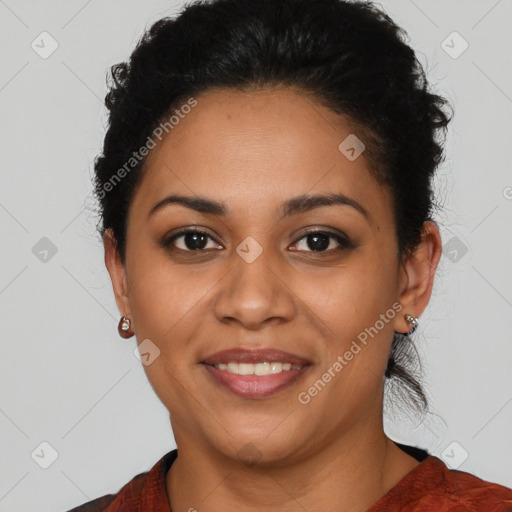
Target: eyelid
[
  {"x": 341, "y": 238},
  {"x": 324, "y": 231},
  {"x": 168, "y": 240}
]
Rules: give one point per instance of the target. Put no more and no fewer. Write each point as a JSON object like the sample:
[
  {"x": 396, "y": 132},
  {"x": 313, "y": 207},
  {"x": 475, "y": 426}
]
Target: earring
[
  {"x": 124, "y": 327},
  {"x": 413, "y": 321}
]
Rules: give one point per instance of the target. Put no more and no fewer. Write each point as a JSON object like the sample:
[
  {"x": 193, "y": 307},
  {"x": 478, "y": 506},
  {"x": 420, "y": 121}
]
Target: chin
[{"x": 256, "y": 446}]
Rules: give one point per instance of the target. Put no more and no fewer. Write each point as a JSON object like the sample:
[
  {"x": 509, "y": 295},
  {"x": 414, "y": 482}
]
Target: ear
[
  {"x": 417, "y": 275},
  {"x": 117, "y": 273}
]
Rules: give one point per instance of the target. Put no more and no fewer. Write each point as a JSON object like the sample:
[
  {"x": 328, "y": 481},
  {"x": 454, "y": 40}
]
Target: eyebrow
[{"x": 293, "y": 206}]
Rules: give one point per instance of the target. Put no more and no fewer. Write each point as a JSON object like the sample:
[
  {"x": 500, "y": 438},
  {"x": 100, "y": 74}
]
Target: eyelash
[{"x": 343, "y": 241}]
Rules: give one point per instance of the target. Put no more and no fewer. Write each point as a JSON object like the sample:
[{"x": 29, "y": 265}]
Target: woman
[{"x": 266, "y": 201}]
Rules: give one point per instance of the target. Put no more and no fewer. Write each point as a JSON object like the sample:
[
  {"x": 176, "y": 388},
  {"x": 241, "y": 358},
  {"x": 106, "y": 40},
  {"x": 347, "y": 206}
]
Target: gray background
[{"x": 69, "y": 380}]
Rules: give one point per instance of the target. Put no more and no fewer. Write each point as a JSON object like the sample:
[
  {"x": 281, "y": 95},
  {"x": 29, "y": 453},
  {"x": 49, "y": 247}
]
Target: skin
[{"x": 252, "y": 151}]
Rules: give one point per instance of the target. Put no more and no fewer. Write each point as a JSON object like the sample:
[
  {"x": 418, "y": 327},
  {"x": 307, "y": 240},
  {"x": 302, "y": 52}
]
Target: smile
[{"x": 256, "y": 373}]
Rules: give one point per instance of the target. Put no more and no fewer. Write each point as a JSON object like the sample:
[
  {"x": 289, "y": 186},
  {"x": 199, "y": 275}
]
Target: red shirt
[{"x": 430, "y": 486}]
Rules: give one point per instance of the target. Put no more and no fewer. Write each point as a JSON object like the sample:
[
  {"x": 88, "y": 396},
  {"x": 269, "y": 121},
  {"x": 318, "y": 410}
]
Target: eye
[
  {"x": 194, "y": 240},
  {"x": 320, "y": 241},
  {"x": 191, "y": 240}
]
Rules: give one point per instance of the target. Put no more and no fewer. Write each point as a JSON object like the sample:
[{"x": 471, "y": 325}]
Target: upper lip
[{"x": 240, "y": 355}]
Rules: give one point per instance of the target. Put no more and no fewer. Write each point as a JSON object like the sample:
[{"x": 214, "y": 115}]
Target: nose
[{"x": 255, "y": 294}]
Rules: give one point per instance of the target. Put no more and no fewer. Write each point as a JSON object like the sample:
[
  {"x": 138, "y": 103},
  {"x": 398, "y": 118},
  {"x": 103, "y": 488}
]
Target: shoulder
[
  {"x": 96, "y": 505},
  {"x": 129, "y": 493},
  {"x": 431, "y": 485},
  {"x": 145, "y": 491},
  {"x": 468, "y": 490}
]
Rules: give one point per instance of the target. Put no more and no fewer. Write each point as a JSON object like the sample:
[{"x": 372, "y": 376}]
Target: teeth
[
  {"x": 261, "y": 369},
  {"x": 276, "y": 367},
  {"x": 265, "y": 368},
  {"x": 245, "y": 369}
]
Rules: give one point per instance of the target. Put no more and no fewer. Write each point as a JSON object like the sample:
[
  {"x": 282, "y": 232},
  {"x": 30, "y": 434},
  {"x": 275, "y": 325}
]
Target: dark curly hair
[{"x": 348, "y": 56}]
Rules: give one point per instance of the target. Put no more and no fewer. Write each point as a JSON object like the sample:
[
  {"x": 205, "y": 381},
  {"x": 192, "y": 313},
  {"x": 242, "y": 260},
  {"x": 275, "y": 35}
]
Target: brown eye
[
  {"x": 190, "y": 240},
  {"x": 323, "y": 241}
]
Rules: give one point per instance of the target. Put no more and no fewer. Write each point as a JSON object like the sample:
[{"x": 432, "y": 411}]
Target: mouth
[{"x": 255, "y": 373}]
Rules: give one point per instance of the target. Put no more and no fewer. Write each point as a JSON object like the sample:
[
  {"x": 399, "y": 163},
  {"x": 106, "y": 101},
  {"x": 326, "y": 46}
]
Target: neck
[{"x": 351, "y": 473}]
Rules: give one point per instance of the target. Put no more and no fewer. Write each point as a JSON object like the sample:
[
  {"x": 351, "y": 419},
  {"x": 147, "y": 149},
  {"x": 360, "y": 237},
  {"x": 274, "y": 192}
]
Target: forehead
[{"x": 257, "y": 148}]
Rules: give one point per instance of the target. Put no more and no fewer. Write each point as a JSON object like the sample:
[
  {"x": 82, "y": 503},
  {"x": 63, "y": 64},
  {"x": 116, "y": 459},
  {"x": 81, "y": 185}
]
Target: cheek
[
  {"x": 167, "y": 305},
  {"x": 353, "y": 307},
  {"x": 348, "y": 299},
  {"x": 168, "y": 302}
]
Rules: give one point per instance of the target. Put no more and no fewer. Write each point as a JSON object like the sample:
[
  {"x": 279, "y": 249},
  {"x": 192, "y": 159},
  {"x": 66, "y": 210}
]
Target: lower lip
[{"x": 254, "y": 386}]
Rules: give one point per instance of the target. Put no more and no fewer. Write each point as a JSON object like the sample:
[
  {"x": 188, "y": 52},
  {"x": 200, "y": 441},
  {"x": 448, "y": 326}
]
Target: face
[{"x": 268, "y": 271}]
